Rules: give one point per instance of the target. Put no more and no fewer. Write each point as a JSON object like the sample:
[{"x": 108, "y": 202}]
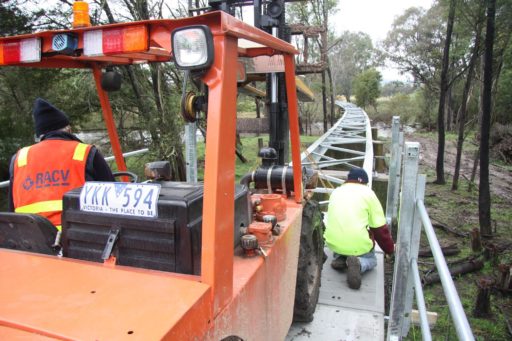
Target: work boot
[
  {"x": 339, "y": 263},
  {"x": 353, "y": 272}
]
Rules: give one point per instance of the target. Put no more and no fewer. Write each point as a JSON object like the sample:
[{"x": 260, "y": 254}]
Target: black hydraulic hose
[{"x": 247, "y": 179}]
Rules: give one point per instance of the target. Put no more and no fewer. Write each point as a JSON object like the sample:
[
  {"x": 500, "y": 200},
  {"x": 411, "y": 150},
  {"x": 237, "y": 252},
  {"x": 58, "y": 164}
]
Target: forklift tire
[{"x": 311, "y": 259}]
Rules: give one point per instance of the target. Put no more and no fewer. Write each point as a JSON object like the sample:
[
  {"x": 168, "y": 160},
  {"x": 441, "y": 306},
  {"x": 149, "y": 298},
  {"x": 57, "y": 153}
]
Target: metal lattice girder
[
  {"x": 350, "y": 135},
  {"x": 334, "y": 162},
  {"x": 350, "y": 151}
]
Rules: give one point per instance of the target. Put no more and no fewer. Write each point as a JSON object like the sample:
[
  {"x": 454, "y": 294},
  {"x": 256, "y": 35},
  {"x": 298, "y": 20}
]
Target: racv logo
[
  {"x": 57, "y": 177},
  {"x": 28, "y": 183}
]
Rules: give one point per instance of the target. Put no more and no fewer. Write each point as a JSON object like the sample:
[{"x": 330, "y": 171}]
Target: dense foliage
[
  {"x": 367, "y": 88},
  {"x": 146, "y": 109}
]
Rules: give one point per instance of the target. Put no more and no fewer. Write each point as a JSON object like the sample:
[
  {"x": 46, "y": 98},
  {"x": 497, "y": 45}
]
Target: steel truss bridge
[{"x": 346, "y": 314}]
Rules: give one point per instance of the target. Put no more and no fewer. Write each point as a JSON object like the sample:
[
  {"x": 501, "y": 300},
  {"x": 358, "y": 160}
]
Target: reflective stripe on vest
[
  {"x": 80, "y": 150},
  {"x": 22, "y": 156},
  {"x": 39, "y": 207}
]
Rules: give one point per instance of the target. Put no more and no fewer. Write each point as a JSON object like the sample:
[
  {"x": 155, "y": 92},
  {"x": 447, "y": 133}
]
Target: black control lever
[{"x": 113, "y": 237}]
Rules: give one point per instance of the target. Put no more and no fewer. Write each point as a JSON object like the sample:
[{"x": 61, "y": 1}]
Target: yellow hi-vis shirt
[{"x": 353, "y": 208}]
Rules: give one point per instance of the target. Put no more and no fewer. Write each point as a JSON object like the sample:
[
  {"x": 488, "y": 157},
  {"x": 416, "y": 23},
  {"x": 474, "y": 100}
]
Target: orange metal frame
[{"x": 232, "y": 290}]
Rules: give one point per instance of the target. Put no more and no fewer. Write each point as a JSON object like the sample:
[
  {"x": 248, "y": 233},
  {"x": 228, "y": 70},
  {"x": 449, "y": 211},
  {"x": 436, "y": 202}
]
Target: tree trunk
[
  {"x": 457, "y": 269},
  {"x": 331, "y": 92},
  {"x": 462, "y": 110},
  {"x": 484, "y": 195},
  {"x": 324, "y": 101},
  {"x": 447, "y": 250},
  {"x": 471, "y": 182},
  {"x": 449, "y": 109},
  {"x": 442, "y": 97},
  {"x": 347, "y": 95}
]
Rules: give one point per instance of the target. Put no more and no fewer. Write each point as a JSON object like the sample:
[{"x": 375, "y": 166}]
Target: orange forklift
[{"x": 162, "y": 259}]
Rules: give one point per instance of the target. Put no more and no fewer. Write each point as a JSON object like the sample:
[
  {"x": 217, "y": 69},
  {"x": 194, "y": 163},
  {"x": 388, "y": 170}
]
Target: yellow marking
[
  {"x": 23, "y": 156},
  {"x": 79, "y": 154},
  {"x": 42, "y": 206}
]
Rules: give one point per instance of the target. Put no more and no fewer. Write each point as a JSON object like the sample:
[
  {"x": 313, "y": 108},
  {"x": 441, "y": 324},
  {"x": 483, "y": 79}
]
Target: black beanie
[
  {"x": 47, "y": 118},
  {"x": 358, "y": 174}
]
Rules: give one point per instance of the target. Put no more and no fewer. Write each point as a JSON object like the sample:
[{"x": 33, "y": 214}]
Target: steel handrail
[
  {"x": 5, "y": 184},
  {"x": 457, "y": 313}
]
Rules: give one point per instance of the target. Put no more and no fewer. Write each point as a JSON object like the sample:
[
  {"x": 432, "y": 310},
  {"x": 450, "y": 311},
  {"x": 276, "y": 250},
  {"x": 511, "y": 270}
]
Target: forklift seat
[{"x": 27, "y": 232}]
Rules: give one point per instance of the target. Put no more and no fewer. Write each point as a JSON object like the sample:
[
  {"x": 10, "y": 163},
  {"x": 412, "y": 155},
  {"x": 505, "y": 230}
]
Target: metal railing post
[
  {"x": 399, "y": 155},
  {"x": 403, "y": 245},
  {"x": 420, "y": 302},
  {"x": 191, "y": 151},
  {"x": 394, "y": 165},
  {"x": 415, "y": 245}
]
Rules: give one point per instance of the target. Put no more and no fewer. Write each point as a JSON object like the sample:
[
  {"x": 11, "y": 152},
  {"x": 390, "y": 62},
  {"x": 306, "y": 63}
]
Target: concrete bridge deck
[{"x": 343, "y": 313}]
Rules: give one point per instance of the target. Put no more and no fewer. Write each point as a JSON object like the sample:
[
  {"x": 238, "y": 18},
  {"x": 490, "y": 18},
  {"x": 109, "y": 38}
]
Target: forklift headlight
[{"x": 193, "y": 47}]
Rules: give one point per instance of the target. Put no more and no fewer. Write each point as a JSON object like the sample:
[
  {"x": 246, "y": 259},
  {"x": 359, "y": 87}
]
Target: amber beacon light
[{"x": 81, "y": 14}]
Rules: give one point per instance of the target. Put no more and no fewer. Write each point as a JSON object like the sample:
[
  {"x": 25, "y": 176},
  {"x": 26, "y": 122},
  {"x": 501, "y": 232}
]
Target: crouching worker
[
  {"x": 40, "y": 174},
  {"x": 355, "y": 220}
]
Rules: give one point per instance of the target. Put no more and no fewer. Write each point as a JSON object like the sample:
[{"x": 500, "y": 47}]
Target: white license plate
[{"x": 120, "y": 198}]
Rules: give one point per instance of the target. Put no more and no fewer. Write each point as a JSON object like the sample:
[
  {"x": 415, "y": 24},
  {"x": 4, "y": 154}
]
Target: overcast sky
[
  {"x": 375, "y": 18},
  {"x": 372, "y": 16}
]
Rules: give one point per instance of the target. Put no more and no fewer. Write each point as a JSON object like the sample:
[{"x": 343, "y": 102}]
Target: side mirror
[{"x": 111, "y": 81}]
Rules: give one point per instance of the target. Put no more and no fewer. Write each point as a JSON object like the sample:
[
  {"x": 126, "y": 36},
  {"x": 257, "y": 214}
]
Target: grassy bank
[{"x": 458, "y": 210}]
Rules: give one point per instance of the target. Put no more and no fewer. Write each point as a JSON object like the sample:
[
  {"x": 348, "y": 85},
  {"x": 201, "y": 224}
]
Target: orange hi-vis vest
[{"x": 44, "y": 172}]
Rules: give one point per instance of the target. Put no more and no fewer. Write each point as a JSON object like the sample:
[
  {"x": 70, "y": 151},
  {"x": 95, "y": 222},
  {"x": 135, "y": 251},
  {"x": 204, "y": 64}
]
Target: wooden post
[
  {"x": 505, "y": 277},
  {"x": 491, "y": 253},
  {"x": 375, "y": 133},
  {"x": 378, "y": 154},
  {"x": 476, "y": 241},
  {"x": 483, "y": 298}
]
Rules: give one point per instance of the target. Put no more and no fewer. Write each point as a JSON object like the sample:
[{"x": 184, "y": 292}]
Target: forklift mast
[{"x": 269, "y": 16}]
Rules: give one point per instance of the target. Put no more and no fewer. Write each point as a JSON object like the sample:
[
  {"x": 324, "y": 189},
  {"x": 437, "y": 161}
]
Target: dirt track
[{"x": 500, "y": 178}]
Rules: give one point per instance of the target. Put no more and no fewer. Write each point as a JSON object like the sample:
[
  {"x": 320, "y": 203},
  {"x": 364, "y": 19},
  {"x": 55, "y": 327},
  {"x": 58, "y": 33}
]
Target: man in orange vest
[{"x": 40, "y": 174}]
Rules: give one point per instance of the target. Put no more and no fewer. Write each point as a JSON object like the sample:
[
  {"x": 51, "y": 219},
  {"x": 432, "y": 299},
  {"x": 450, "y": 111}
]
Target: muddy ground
[{"x": 500, "y": 177}]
